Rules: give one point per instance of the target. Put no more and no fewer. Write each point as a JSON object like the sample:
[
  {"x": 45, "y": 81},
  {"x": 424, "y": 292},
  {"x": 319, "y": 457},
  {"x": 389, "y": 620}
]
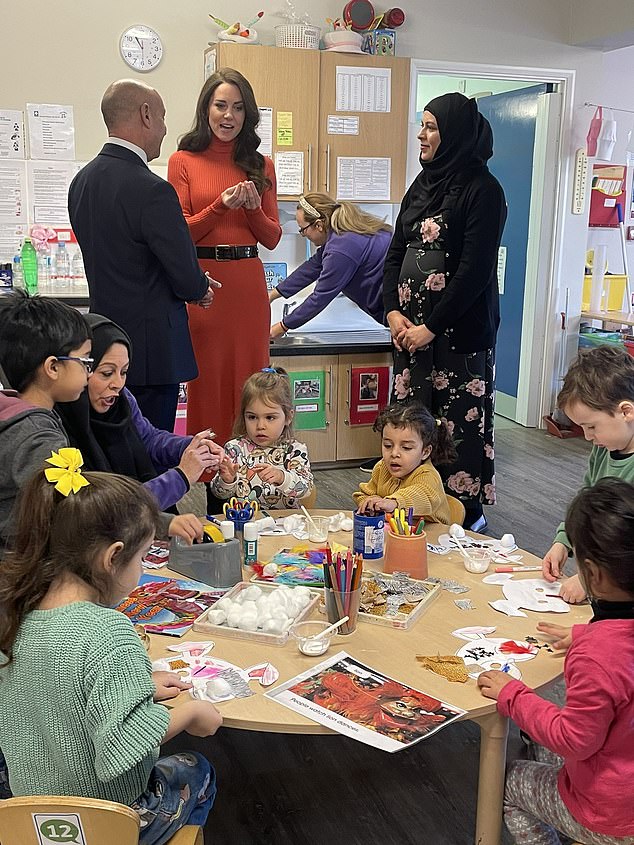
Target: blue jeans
[{"x": 181, "y": 791}]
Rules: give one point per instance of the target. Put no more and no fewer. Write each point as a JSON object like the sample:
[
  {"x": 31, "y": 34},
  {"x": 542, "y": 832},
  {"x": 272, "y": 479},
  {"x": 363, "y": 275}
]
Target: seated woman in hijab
[{"x": 105, "y": 423}]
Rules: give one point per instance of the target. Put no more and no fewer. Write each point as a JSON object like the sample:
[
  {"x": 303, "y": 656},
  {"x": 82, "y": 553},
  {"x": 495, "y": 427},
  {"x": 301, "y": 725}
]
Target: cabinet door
[
  {"x": 286, "y": 81},
  {"x": 381, "y": 134},
  {"x": 321, "y": 443},
  {"x": 356, "y": 441}
]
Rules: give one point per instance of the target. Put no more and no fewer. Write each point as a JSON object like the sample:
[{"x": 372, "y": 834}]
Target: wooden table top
[{"x": 388, "y": 650}]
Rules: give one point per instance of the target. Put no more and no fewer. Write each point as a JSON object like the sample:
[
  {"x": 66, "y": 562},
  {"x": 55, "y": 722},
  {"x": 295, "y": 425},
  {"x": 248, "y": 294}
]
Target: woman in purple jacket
[
  {"x": 106, "y": 425},
  {"x": 352, "y": 248}
]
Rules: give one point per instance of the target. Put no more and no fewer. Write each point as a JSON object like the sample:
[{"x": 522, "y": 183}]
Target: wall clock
[{"x": 141, "y": 48}]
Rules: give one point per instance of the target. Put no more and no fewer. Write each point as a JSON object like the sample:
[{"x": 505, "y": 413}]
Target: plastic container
[
  {"x": 203, "y": 625},
  {"x": 77, "y": 269},
  {"x": 305, "y": 632},
  {"x": 368, "y": 535},
  {"x": 6, "y": 275},
  {"x": 477, "y": 560},
  {"x": 339, "y": 605},
  {"x": 216, "y": 564},
  {"x": 406, "y": 553},
  {"x": 318, "y": 529},
  {"x": 62, "y": 266},
  {"x": 28, "y": 257},
  {"x": 18, "y": 277},
  {"x": 250, "y": 543},
  {"x": 297, "y": 35}
]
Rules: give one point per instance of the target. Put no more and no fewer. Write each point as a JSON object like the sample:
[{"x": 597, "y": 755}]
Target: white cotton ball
[
  {"x": 217, "y": 616},
  {"x": 262, "y": 617},
  {"x": 303, "y": 601},
  {"x": 293, "y": 609},
  {"x": 252, "y": 593},
  {"x": 508, "y": 541},
  {"x": 248, "y": 621},
  {"x": 279, "y": 613},
  {"x": 276, "y": 600},
  {"x": 249, "y": 607},
  {"x": 262, "y": 601},
  {"x": 456, "y": 531},
  {"x": 217, "y": 688},
  {"x": 234, "y": 618},
  {"x": 283, "y": 588},
  {"x": 301, "y": 591},
  {"x": 274, "y": 626},
  {"x": 270, "y": 570}
]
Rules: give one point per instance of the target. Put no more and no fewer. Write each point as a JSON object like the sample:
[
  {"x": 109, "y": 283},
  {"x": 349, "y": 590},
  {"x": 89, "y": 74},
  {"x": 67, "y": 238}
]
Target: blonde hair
[
  {"x": 341, "y": 216},
  {"x": 273, "y": 387}
]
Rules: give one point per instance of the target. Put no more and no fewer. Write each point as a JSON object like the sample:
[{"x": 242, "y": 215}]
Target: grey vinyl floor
[{"x": 277, "y": 789}]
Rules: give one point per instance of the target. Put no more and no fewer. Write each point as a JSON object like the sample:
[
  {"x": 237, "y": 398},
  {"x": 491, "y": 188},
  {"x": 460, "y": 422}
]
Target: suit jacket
[{"x": 140, "y": 261}]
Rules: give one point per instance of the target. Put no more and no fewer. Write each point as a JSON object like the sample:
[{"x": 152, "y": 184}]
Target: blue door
[{"x": 513, "y": 118}]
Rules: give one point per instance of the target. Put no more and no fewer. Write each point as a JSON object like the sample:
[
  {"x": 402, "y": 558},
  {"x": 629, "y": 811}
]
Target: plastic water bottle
[
  {"x": 44, "y": 268},
  {"x": 62, "y": 266},
  {"x": 29, "y": 266},
  {"x": 77, "y": 270},
  {"x": 18, "y": 280}
]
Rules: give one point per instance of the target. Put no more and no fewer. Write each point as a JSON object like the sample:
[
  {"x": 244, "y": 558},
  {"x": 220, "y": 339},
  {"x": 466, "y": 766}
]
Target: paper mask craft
[{"x": 535, "y": 594}]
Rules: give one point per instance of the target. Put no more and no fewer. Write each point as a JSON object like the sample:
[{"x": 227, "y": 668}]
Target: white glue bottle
[{"x": 250, "y": 543}]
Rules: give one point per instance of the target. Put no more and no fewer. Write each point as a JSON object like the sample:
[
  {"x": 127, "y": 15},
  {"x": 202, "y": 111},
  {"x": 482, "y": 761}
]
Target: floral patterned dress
[{"x": 456, "y": 387}]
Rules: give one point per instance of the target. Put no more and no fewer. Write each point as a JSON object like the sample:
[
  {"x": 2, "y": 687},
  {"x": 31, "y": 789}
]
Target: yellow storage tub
[{"x": 613, "y": 284}]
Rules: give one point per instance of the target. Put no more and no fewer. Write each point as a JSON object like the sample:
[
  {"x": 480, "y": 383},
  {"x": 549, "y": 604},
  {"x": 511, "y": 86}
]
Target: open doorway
[{"x": 526, "y": 118}]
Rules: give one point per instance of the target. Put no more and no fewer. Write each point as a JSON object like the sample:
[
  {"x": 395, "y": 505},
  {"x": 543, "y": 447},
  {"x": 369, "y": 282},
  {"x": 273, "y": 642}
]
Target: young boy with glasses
[{"x": 44, "y": 353}]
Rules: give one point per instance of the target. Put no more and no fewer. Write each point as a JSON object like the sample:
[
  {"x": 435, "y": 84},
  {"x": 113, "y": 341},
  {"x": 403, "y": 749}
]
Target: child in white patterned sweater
[
  {"x": 264, "y": 462},
  {"x": 93, "y": 726}
]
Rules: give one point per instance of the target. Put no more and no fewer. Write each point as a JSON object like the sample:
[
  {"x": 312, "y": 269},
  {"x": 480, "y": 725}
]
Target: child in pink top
[{"x": 583, "y": 788}]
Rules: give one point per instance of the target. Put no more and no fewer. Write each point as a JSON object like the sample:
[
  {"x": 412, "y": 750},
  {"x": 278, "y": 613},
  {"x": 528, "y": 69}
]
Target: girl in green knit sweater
[{"x": 79, "y": 711}]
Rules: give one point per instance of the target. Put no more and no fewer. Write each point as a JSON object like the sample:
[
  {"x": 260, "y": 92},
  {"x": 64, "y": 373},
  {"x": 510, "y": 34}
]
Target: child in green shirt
[
  {"x": 93, "y": 725},
  {"x": 598, "y": 395}
]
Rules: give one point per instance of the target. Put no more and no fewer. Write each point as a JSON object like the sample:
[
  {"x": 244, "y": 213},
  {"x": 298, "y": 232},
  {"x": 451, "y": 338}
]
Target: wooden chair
[
  {"x": 103, "y": 822},
  {"x": 456, "y": 510},
  {"x": 309, "y": 501}
]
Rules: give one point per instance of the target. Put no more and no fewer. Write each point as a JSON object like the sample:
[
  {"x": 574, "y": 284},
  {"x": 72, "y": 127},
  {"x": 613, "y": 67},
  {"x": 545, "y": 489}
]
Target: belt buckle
[{"x": 229, "y": 250}]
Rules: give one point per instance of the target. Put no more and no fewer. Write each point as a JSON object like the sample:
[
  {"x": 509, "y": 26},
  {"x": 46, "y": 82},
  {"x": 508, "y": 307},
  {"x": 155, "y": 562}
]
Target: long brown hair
[
  {"x": 59, "y": 535},
  {"x": 432, "y": 432},
  {"x": 245, "y": 154},
  {"x": 273, "y": 387}
]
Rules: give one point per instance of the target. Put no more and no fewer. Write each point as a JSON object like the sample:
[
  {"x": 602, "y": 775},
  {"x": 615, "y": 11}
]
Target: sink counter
[{"x": 332, "y": 343}]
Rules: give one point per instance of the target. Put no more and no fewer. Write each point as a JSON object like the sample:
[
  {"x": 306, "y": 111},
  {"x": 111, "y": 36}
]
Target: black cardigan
[{"x": 470, "y": 303}]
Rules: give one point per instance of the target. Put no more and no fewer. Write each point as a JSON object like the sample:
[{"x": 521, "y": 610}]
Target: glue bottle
[{"x": 250, "y": 543}]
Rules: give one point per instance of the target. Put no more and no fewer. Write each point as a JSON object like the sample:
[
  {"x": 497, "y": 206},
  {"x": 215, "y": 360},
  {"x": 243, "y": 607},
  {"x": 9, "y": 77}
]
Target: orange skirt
[{"x": 231, "y": 341}]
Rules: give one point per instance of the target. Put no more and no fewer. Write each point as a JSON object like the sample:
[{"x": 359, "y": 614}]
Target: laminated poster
[
  {"x": 608, "y": 191},
  {"x": 308, "y": 389},
  {"x": 369, "y": 393}
]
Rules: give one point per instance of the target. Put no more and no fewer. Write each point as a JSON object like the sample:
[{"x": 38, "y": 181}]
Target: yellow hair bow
[{"x": 66, "y": 471}]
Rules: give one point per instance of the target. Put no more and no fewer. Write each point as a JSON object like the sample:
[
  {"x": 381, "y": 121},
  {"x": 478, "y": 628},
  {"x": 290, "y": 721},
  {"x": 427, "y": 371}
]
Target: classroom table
[{"x": 393, "y": 652}]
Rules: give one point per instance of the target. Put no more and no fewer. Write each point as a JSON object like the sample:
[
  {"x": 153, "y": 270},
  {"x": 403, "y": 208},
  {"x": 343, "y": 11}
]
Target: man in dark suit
[{"x": 139, "y": 257}]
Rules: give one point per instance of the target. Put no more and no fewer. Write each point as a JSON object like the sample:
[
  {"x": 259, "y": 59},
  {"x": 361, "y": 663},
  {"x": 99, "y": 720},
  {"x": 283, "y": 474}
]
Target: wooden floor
[{"x": 291, "y": 790}]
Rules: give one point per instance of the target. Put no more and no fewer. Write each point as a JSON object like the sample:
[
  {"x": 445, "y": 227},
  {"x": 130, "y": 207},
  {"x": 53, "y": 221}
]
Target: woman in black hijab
[
  {"x": 106, "y": 425},
  {"x": 440, "y": 291}
]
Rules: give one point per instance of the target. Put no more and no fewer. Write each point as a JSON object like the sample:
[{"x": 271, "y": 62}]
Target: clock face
[{"x": 141, "y": 48}]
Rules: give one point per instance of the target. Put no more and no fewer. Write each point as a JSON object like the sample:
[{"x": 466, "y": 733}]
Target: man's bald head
[{"x": 135, "y": 112}]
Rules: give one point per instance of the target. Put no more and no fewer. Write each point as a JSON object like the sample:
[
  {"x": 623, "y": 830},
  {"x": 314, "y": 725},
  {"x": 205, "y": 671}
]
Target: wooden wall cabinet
[
  {"x": 303, "y": 82},
  {"x": 339, "y": 441}
]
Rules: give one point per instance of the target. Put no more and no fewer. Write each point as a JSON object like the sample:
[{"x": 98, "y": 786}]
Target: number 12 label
[{"x": 60, "y": 829}]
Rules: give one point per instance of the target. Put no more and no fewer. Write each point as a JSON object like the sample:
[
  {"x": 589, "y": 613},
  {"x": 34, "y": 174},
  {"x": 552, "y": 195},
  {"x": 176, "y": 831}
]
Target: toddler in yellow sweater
[{"x": 405, "y": 476}]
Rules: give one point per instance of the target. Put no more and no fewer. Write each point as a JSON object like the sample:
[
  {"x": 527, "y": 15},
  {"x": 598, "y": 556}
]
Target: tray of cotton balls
[{"x": 263, "y": 613}]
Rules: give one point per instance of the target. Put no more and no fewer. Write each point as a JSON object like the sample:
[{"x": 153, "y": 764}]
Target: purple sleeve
[
  {"x": 164, "y": 448},
  {"x": 305, "y": 275},
  {"x": 167, "y": 488}
]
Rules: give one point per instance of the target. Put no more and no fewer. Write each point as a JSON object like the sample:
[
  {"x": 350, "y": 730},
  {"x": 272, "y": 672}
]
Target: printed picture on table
[
  {"x": 368, "y": 386},
  {"x": 307, "y": 389},
  {"x": 364, "y": 704}
]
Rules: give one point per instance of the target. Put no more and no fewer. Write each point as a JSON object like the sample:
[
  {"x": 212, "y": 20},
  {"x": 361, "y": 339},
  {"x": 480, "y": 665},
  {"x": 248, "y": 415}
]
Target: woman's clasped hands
[
  {"x": 242, "y": 195},
  {"x": 405, "y": 335}
]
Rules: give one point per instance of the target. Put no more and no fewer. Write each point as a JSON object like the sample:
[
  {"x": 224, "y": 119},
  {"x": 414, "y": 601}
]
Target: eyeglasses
[
  {"x": 307, "y": 226},
  {"x": 87, "y": 362}
]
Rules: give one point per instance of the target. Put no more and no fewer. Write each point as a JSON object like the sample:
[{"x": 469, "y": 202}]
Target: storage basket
[{"x": 297, "y": 35}]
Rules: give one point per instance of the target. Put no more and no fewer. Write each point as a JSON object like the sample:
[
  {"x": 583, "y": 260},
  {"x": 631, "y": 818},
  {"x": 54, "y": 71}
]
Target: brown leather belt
[{"x": 226, "y": 252}]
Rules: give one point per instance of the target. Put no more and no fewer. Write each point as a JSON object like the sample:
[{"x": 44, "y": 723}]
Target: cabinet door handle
[
  {"x": 310, "y": 168},
  {"x": 327, "y": 168},
  {"x": 329, "y": 400},
  {"x": 349, "y": 380}
]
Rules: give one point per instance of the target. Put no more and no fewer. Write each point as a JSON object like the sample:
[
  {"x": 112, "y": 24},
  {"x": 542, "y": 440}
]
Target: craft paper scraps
[
  {"x": 506, "y": 607},
  {"x": 449, "y": 666},
  {"x": 474, "y": 632},
  {"x": 464, "y": 604},
  {"x": 497, "y": 578},
  {"x": 535, "y": 594}
]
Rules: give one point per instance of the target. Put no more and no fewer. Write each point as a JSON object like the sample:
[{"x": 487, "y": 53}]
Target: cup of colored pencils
[{"x": 342, "y": 588}]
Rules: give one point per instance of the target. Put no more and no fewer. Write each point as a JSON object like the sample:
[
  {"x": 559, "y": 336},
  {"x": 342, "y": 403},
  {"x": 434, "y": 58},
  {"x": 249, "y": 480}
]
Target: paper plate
[{"x": 488, "y": 649}]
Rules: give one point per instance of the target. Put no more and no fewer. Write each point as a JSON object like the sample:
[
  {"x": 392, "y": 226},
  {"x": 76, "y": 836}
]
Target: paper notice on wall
[
  {"x": 363, "y": 89},
  {"x": 363, "y": 179},
  {"x": 501, "y": 269},
  {"x": 289, "y": 170},
  {"x": 11, "y": 238},
  {"x": 343, "y": 125},
  {"x": 285, "y": 129},
  {"x": 51, "y": 131},
  {"x": 265, "y": 131},
  {"x": 13, "y": 203},
  {"x": 11, "y": 134},
  {"x": 48, "y": 183}
]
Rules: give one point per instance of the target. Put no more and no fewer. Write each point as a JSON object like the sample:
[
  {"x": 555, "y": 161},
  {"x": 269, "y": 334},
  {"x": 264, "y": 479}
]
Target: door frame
[{"x": 535, "y": 388}]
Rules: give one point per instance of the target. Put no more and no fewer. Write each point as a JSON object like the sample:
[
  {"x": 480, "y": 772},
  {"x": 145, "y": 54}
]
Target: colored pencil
[{"x": 420, "y": 526}]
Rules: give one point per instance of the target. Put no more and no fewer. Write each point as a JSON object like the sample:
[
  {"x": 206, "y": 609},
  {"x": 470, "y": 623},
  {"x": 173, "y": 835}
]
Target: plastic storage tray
[{"x": 203, "y": 626}]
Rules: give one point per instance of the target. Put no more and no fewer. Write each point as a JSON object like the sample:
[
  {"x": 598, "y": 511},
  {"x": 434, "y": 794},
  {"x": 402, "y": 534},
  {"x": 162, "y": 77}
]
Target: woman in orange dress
[{"x": 227, "y": 190}]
